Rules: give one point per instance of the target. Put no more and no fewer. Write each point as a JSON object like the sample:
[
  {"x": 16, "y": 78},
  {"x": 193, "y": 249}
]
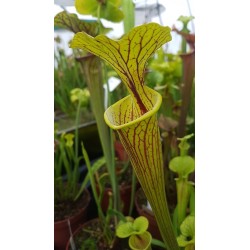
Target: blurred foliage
[
  {"x": 67, "y": 76},
  {"x": 165, "y": 75}
]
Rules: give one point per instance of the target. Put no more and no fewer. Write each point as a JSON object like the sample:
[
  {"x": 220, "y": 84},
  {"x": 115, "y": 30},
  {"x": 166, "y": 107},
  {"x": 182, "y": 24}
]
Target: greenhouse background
[{"x": 147, "y": 11}]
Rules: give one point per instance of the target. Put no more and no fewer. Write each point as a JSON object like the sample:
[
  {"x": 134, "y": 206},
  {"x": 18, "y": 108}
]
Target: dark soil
[{"x": 66, "y": 209}]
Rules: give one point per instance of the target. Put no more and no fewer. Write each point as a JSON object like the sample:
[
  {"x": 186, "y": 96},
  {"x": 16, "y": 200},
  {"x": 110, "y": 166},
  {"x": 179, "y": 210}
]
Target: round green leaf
[
  {"x": 86, "y": 7},
  {"x": 183, "y": 165},
  {"x": 69, "y": 139},
  {"x": 140, "y": 225},
  {"x": 124, "y": 229}
]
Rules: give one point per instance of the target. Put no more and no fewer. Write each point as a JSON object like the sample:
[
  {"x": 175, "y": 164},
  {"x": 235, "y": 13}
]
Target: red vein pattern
[
  {"x": 142, "y": 143},
  {"x": 141, "y": 138},
  {"x": 128, "y": 56},
  {"x": 134, "y": 117}
]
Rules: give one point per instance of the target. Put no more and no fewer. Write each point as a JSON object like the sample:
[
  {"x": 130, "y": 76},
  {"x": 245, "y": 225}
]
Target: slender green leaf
[
  {"x": 97, "y": 165},
  {"x": 120, "y": 216},
  {"x": 158, "y": 243},
  {"x": 128, "y": 8}
]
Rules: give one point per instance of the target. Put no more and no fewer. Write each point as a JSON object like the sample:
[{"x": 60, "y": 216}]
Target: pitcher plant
[{"x": 135, "y": 116}]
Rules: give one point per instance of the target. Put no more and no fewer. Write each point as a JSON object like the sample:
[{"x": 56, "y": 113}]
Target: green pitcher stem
[
  {"x": 112, "y": 168},
  {"x": 141, "y": 139},
  {"x": 183, "y": 196},
  {"x": 93, "y": 73},
  {"x": 92, "y": 182},
  {"x": 135, "y": 116},
  {"x": 76, "y": 163}
]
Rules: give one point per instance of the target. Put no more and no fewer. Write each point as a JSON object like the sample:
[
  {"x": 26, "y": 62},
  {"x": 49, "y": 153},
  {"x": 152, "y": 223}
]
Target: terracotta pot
[
  {"x": 91, "y": 225},
  {"x": 142, "y": 210},
  {"x": 61, "y": 228}
]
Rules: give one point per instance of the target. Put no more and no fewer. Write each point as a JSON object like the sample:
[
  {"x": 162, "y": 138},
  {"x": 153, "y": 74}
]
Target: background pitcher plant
[{"x": 135, "y": 116}]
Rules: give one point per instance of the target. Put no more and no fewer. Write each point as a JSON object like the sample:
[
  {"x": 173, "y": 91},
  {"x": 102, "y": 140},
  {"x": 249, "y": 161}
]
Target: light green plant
[
  {"x": 185, "y": 20},
  {"x": 128, "y": 8},
  {"x": 183, "y": 165},
  {"x": 64, "y": 159},
  {"x": 83, "y": 94},
  {"x": 165, "y": 76},
  {"x": 67, "y": 157},
  {"x": 187, "y": 237},
  {"x": 134, "y": 117},
  {"x": 136, "y": 230},
  {"x": 67, "y": 76}
]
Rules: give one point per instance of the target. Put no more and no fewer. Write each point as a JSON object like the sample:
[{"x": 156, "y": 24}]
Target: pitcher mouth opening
[{"x": 113, "y": 111}]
